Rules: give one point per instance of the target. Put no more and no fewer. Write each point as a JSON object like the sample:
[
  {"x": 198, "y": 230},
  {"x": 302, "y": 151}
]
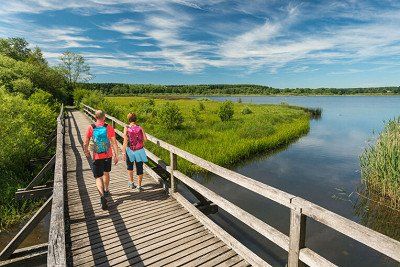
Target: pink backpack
[{"x": 135, "y": 135}]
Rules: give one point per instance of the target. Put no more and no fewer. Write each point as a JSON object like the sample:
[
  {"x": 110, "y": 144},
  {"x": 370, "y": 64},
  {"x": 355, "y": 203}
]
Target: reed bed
[{"x": 380, "y": 164}]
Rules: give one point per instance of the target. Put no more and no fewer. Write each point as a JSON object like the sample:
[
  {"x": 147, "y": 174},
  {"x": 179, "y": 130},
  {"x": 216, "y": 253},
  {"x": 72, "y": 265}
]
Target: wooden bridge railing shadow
[{"x": 300, "y": 209}]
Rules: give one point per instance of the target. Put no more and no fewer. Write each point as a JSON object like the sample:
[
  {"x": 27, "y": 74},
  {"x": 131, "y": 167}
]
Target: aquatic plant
[{"x": 380, "y": 164}]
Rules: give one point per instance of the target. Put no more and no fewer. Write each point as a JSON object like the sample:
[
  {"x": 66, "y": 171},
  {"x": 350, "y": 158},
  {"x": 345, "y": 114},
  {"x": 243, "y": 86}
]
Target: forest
[{"x": 120, "y": 89}]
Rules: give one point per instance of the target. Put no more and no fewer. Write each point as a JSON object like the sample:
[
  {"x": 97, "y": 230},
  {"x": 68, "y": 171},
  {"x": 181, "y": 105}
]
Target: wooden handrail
[
  {"x": 300, "y": 209},
  {"x": 56, "y": 255}
]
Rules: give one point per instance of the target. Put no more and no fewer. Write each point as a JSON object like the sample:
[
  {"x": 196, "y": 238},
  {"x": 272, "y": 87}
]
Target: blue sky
[{"x": 278, "y": 43}]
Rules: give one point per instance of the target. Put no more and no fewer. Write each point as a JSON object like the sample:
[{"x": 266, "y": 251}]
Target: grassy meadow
[{"x": 254, "y": 129}]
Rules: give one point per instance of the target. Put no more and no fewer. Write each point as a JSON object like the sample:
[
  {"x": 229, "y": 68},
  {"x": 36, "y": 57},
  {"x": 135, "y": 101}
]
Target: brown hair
[
  {"x": 99, "y": 114},
  {"x": 132, "y": 117}
]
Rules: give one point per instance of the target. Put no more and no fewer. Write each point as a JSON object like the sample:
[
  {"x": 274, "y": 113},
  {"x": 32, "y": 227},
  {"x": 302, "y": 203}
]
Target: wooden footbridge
[{"x": 159, "y": 226}]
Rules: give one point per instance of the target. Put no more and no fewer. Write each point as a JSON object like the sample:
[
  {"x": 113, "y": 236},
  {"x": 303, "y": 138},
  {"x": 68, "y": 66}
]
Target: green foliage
[
  {"x": 24, "y": 124},
  {"x": 380, "y": 164},
  {"x": 16, "y": 48},
  {"x": 226, "y": 111},
  {"x": 170, "y": 116},
  {"x": 79, "y": 94},
  {"x": 18, "y": 73},
  {"x": 23, "y": 86},
  {"x": 246, "y": 110}
]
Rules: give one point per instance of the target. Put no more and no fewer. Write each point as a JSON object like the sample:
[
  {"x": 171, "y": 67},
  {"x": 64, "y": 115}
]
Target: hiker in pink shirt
[
  {"x": 133, "y": 150},
  {"x": 103, "y": 136}
]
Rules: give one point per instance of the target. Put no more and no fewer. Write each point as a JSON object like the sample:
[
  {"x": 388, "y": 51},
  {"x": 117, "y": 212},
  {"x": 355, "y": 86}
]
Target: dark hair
[{"x": 132, "y": 117}]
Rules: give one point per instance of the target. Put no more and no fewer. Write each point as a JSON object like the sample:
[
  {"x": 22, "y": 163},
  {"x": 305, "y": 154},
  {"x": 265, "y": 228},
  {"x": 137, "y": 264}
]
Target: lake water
[{"x": 322, "y": 167}]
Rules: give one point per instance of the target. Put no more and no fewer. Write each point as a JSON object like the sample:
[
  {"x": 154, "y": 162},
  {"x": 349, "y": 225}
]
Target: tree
[
  {"x": 36, "y": 57},
  {"x": 16, "y": 48},
  {"x": 74, "y": 68}
]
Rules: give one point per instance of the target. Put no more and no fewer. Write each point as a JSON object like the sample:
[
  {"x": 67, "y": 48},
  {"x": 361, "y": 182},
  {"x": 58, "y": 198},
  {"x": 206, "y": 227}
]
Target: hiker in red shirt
[{"x": 103, "y": 136}]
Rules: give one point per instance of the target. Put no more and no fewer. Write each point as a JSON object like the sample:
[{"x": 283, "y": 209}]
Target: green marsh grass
[
  {"x": 225, "y": 143},
  {"x": 380, "y": 164}
]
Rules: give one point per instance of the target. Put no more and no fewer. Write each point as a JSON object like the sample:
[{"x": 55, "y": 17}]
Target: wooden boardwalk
[{"x": 141, "y": 229}]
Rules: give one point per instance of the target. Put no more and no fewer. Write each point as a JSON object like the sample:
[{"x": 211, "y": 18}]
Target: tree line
[{"x": 228, "y": 89}]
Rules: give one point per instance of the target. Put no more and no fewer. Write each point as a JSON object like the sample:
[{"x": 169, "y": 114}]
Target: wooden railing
[
  {"x": 300, "y": 209},
  {"x": 56, "y": 255}
]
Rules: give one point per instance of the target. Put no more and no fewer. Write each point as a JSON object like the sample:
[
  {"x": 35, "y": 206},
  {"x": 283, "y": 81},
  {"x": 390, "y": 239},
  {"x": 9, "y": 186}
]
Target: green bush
[
  {"x": 170, "y": 116},
  {"x": 246, "y": 110},
  {"x": 79, "y": 94},
  {"x": 226, "y": 111},
  {"x": 23, "y": 85},
  {"x": 25, "y": 125},
  {"x": 196, "y": 115}
]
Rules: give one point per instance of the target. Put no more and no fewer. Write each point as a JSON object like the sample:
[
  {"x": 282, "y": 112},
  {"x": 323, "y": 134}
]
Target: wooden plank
[
  {"x": 231, "y": 261},
  {"x": 26, "y": 230},
  {"x": 230, "y": 241},
  {"x": 266, "y": 230},
  {"x": 214, "y": 261},
  {"x": 152, "y": 253},
  {"x": 134, "y": 219},
  {"x": 190, "y": 254},
  {"x": 311, "y": 258},
  {"x": 56, "y": 253},
  {"x": 297, "y": 237},
  {"x": 149, "y": 228},
  {"x": 39, "y": 191},
  {"x": 384, "y": 244},
  {"x": 114, "y": 250},
  {"x": 41, "y": 173}
]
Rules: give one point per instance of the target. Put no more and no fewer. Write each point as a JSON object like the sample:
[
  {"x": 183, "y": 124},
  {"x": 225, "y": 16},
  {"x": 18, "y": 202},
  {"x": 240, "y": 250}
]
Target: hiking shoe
[
  {"x": 106, "y": 193},
  {"x": 131, "y": 185},
  {"x": 103, "y": 202},
  {"x": 139, "y": 189}
]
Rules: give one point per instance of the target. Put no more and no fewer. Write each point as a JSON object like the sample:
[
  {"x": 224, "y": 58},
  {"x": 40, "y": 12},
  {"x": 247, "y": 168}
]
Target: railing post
[
  {"x": 173, "y": 165},
  {"x": 297, "y": 237}
]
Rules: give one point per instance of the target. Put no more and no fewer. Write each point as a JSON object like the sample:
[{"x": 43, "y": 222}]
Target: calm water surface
[{"x": 323, "y": 167}]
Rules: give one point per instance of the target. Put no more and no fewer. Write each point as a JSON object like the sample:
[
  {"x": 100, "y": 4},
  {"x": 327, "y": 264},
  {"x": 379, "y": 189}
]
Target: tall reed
[{"x": 380, "y": 164}]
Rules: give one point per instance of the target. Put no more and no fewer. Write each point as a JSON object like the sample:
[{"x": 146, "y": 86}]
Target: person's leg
[
  {"x": 98, "y": 172},
  {"x": 106, "y": 176},
  {"x": 129, "y": 168},
  {"x": 139, "y": 172},
  {"x": 100, "y": 185}
]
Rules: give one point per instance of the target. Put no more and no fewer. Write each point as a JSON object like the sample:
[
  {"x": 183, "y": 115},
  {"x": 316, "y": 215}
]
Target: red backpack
[{"x": 135, "y": 135}]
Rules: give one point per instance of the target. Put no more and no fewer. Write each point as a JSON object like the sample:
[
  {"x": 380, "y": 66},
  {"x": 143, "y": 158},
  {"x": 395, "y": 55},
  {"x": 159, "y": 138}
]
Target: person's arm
[
  {"x": 86, "y": 143},
  {"x": 115, "y": 149},
  {"x": 144, "y": 135},
  {"x": 124, "y": 144}
]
